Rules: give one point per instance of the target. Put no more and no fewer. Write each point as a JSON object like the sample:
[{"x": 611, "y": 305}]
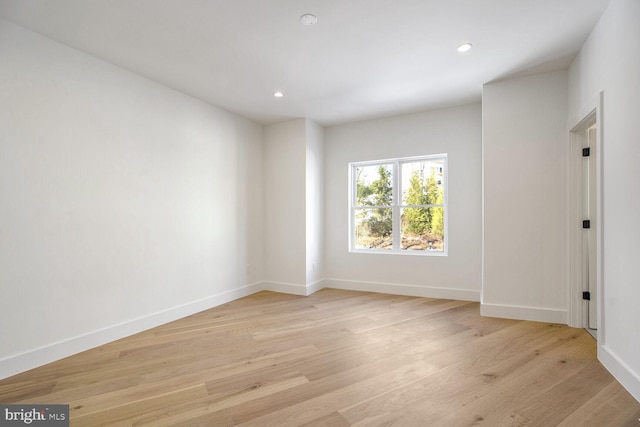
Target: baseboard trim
[
  {"x": 535, "y": 314},
  {"x": 407, "y": 290},
  {"x": 629, "y": 379},
  {"x": 315, "y": 286},
  {"x": 16, "y": 364},
  {"x": 292, "y": 288}
]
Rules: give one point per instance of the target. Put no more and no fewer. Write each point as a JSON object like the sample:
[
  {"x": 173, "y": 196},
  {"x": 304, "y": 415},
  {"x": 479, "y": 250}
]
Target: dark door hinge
[
  {"x": 586, "y": 152},
  {"x": 586, "y": 224},
  {"x": 586, "y": 295}
]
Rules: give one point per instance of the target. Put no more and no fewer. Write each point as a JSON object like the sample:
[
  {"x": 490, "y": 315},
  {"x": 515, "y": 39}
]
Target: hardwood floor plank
[
  {"x": 332, "y": 420},
  {"x": 108, "y": 409},
  {"x": 336, "y": 358},
  {"x": 352, "y": 369},
  {"x": 612, "y": 405},
  {"x": 217, "y": 403},
  {"x": 326, "y": 403}
]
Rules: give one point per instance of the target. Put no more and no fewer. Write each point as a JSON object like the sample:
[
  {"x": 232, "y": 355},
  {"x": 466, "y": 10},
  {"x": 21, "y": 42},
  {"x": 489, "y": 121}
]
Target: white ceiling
[{"x": 363, "y": 59}]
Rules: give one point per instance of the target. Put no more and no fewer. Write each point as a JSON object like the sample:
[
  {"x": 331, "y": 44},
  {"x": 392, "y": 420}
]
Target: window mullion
[
  {"x": 397, "y": 200},
  {"x": 423, "y": 206}
]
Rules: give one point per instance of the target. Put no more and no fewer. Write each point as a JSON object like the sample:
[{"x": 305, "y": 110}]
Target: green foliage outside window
[
  {"x": 421, "y": 220},
  {"x": 378, "y": 193}
]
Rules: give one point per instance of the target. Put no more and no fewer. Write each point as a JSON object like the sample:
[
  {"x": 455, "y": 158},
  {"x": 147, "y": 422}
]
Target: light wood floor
[{"x": 336, "y": 358}]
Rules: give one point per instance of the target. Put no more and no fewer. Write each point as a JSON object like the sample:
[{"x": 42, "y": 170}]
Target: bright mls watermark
[{"x": 37, "y": 415}]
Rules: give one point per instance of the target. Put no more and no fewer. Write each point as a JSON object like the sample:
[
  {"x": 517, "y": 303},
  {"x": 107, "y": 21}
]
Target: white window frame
[{"x": 396, "y": 205}]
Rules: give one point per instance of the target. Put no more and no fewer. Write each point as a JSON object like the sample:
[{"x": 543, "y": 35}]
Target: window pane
[
  {"x": 374, "y": 185},
  {"x": 422, "y": 229},
  {"x": 373, "y": 228},
  {"x": 423, "y": 182}
]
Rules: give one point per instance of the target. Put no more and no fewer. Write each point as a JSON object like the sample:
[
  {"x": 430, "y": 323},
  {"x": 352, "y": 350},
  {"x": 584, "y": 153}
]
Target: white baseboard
[
  {"x": 315, "y": 286},
  {"x": 629, "y": 379},
  {"x": 291, "y": 288},
  {"x": 408, "y": 290},
  {"x": 524, "y": 313},
  {"x": 40, "y": 356}
]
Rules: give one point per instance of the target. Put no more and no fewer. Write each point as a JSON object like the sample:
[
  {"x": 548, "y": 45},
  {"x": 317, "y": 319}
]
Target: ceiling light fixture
[
  {"x": 464, "y": 47},
  {"x": 308, "y": 20},
  {"x": 278, "y": 94}
]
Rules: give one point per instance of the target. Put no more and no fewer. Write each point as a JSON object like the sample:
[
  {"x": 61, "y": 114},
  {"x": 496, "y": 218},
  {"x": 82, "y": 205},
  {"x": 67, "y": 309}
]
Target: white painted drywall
[
  {"x": 456, "y": 131},
  {"x": 123, "y": 204},
  {"x": 285, "y": 206},
  {"x": 609, "y": 61},
  {"x": 525, "y": 144},
  {"x": 314, "y": 203}
]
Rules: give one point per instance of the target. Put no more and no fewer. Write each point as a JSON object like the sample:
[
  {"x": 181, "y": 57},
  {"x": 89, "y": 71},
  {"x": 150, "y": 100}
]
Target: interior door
[{"x": 589, "y": 186}]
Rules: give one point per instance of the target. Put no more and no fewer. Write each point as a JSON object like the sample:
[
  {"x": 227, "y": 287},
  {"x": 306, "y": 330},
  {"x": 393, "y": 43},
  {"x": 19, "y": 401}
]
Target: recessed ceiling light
[
  {"x": 308, "y": 19},
  {"x": 464, "y": 47},
  {"x": 278, "y": 94}
]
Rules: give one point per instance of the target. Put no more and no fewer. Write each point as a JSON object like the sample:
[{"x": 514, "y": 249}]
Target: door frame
[{"x": 577, "y": 306}]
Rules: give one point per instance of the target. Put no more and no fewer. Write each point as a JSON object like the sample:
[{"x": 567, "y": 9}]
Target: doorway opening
[{"x": 584, "y": 224}]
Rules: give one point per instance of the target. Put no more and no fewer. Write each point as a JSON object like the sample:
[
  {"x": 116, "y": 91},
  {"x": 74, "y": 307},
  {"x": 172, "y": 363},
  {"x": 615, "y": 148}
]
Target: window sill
[{"x": 401, "y": 253}]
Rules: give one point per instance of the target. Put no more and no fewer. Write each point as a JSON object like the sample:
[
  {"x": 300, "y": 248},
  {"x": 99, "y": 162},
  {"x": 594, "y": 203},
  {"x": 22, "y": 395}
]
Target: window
[{"x": 399, "y": 206}]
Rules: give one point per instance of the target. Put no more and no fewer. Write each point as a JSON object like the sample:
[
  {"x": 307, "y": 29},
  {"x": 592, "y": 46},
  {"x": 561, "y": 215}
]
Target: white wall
[
  {"x": 456, "y": 131},
  {"x": 608, "y": 62},
  {"x": 285, "y": 206},
  {"x": 314, "y": 204},
  {"x": 525, "y": 142},
  {"x": 293, "y": 207},
  {"x": 123, "y": 204}
]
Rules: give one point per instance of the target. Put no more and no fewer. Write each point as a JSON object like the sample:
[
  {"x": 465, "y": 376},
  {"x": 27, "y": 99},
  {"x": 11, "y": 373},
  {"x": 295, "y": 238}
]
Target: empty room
[{"x": 319, "y": 212}]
